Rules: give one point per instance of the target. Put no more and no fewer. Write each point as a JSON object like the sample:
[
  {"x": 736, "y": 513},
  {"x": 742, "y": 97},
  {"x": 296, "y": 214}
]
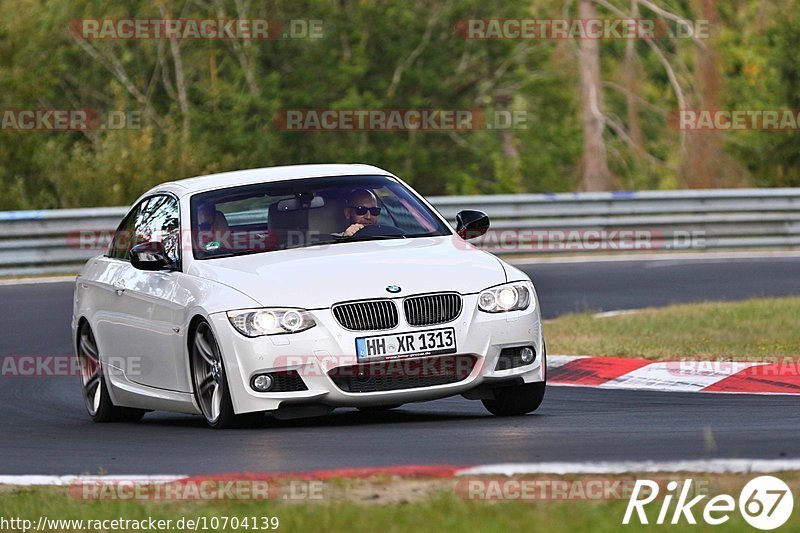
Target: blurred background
[{"x": 596, "y": 111}]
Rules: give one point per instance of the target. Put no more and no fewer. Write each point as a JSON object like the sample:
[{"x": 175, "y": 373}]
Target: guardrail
[{"x": 40, "y": 242}]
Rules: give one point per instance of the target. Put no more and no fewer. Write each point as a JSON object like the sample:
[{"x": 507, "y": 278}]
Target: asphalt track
[{"x": 44, "y": 430}]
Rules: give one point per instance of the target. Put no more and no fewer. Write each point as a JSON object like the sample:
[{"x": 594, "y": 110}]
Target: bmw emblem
[{"x": 394, "y": 289}]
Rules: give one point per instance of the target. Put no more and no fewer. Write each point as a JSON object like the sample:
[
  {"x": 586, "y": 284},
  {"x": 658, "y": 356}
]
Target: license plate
[{"x": 415, "y": 344}]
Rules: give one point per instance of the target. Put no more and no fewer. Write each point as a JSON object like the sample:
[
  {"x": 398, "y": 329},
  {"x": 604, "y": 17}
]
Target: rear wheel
[
  {"x": 211, "y": 383},
  {"x": 94, "y": 387}
]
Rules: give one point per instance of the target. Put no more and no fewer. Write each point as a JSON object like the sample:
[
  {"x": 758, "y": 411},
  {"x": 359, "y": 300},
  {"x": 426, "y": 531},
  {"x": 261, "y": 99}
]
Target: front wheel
[
  {"x": 522, "y": 399},
  {"x": 210, "y": 382},
  {"x": 93, "y": 383},
  {"x": 515, "y": 401}
]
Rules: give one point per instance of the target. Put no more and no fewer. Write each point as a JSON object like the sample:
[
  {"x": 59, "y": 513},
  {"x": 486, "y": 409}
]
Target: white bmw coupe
[{"x": 295, "y": 290}]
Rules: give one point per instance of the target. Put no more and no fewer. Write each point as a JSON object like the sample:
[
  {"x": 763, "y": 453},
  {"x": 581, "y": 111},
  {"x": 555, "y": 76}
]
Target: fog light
[
  {"x": 262, "y": 382},
  {"x": 527, "y": 355}
]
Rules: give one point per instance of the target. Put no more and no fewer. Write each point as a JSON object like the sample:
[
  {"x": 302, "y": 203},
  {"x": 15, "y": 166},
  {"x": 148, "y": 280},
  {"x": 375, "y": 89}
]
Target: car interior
[{"x": 276, "y": 223}]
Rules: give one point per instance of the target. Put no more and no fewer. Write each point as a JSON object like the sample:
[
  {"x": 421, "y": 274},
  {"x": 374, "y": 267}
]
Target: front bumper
[{"x": 317, "y": 353}]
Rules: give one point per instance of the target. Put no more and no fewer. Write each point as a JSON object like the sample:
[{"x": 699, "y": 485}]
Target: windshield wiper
[
  {"x": 324, "y": 242},
  {"x": 334, "y": 239},
  {"x": 232, "y": 254},
  {"x": 425, "y": 234},
  {"x": 355, "y": 238}
]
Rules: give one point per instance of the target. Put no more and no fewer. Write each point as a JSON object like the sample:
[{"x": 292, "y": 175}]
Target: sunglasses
[{"x": 361, "y": 210}]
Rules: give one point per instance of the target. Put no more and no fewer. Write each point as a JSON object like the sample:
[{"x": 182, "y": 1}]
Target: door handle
[{"x": 119, "y": 287}]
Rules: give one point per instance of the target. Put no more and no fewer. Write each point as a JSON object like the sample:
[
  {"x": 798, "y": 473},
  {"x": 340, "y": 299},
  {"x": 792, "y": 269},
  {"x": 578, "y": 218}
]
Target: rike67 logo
[{"x": 765, "y": 503}]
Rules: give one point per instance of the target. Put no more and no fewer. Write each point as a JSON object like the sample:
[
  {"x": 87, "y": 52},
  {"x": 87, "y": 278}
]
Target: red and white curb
[
  {"x": 712, "y": 466},
  {"x": 678, "y": 376}
]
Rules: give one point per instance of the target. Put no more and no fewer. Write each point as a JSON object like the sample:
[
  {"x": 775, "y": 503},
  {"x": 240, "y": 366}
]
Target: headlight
[
  {"x": 509, "y": 297},
  {"x": 275, "y": 321}
]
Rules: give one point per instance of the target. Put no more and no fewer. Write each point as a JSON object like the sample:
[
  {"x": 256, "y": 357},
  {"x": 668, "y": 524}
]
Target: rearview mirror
[
  {"x": 471, "y": 224},
  {"x": 296, "y": 204},
  {"x": 150, "y": 256}
]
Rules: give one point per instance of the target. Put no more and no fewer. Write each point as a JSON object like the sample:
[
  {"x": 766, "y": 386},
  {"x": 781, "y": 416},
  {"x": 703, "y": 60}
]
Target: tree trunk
[
  {"x": 705, "y": 160},
  {"x": 596, "y": 176},
  {"x": 632, "y": 73}
]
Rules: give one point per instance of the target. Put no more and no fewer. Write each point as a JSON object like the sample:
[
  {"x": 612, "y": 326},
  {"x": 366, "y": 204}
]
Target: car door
[
  {"x": 152, "y": 315},
  {"x": 101, "y": 289}
]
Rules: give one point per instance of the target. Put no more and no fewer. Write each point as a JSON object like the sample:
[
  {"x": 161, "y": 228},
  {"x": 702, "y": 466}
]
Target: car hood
[{"x": 317, "y": 277}]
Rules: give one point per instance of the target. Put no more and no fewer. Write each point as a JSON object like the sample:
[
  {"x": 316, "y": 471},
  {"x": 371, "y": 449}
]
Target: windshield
[{"x": 310, "y": 212}]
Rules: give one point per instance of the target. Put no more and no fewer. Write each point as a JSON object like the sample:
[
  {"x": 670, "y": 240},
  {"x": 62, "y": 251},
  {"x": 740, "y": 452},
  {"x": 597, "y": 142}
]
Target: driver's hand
[{"x": 351, "y": 230}]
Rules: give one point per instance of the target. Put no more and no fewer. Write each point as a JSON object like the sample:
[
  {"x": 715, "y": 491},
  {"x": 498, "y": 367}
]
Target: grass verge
[
  {"x": 440, "y": 506},
  {"x": 752, "y": 330}
]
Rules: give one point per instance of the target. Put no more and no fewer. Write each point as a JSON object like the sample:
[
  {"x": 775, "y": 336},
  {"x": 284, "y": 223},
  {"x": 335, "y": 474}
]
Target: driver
[{"x": 361, "y": 209}]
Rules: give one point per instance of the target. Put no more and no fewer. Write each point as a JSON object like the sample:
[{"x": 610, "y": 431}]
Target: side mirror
[
  {"x": 150, "y": 256},
  {"x": 471, "y": 224}
]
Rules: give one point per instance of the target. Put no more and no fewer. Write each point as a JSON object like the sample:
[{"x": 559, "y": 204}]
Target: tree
[{"x": 595, "y": 173}]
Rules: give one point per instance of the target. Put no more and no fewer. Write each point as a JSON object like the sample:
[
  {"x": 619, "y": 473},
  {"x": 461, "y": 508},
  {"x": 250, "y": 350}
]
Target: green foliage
[{"x": 378, "y": 54}]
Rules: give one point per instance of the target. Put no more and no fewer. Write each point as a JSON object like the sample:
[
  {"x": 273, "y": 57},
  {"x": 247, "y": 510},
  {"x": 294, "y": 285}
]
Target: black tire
[
  {"x": 516, "y": 401},
  {"x": 94, "y": 387},
  {"x": 519, "y": 400},
  {"x": 210, "y": 382}
]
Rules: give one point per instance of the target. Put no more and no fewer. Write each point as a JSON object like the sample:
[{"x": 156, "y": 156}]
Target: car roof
[{"x": 261, "y": 175}]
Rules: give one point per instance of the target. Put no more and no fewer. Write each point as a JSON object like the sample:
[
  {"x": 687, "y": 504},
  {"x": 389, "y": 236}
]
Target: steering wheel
[{"x": 375, "y": 230}]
